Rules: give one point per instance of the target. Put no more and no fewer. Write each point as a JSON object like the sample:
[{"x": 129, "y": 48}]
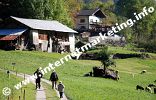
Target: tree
[
  {"x": 37, "y": 9},
  {"x": 143, "y": 28},
  {"x": 143, "y": 32},
  {"x": 60, "y": 12},
  {"x": 73, "y": 6},
  {"x": 25, "y": 8},
  {"x": 104, "y": 58},
  {"x": 127, "y": 32},
  {"x": 4, "y": 6}
]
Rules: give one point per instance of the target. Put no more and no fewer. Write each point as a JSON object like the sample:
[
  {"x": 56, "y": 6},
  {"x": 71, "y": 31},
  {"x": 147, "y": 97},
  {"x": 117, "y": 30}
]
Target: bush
[{"x": 149, "y": 46}]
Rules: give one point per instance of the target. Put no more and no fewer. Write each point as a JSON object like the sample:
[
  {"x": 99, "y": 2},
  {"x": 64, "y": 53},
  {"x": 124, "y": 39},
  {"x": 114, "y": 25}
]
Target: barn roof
[
  {"x": 12, "y": 31},
  {"x": 9, "y": 37},
  {"x": 10, "y": 34},
  {"x": 44, "y": 25}
]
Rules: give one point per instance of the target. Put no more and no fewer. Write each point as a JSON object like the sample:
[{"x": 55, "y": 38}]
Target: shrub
[
  {"x": 149, "y": 46},
  {"x": 104, "y": 57}
]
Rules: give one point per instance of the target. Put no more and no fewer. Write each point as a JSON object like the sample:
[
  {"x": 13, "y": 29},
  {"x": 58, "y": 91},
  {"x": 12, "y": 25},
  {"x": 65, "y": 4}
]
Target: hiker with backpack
[
  {"x": 53, "y": 79},
  {"x": 61, "y": 89}
]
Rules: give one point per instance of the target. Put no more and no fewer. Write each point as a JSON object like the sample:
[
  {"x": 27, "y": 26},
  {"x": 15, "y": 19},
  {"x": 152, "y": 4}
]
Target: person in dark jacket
[
  {"x": 54, "y": 79},
  {"x": 61, "y": 89},
  {"x": 39, "y": 75}
]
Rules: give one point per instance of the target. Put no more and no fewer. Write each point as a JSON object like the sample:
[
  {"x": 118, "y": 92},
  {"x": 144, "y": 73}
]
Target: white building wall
[
  {"x": 44, "y": 45},
  {"x": 72, "y": 42},
  {"x": 50, "y": 45},
  {"x": 94, "y": 19},
  {"x": 35, "y": 36}
]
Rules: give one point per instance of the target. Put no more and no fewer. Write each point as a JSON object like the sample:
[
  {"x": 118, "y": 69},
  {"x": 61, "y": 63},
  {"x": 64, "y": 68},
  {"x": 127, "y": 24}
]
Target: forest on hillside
[{"x": 65, "y": 11}]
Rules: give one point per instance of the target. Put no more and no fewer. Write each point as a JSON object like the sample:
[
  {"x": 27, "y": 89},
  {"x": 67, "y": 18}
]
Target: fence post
[
  {"x": 21, "y": 90},
  {"x": 24, "y": 95},
  {"x": 12, "y": 96},
  {"x": 13, "y": 65},
  {"x": 8, "y": 97},
  {"x": 19, "y": 97},
  {"x": 24, "y": 76},
  {"x": 16, "y": 73},
  {"x": 8, "y": 72}
]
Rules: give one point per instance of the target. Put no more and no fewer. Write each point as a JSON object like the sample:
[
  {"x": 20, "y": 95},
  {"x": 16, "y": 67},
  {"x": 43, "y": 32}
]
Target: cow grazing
[
  {"x": 143, "y": 71},
  {"x": 88, "y": 74},
  {"x": 154, "y": 90},
  {"x": 138, "y": 87},
  {"x": 151, "y": 85},
  {"x": 148, "y": 89}
]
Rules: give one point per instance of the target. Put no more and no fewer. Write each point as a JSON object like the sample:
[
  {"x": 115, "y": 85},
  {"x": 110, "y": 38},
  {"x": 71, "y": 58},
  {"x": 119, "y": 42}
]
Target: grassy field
[
  {"x": 10, "y": 82},
  {"x": 89, "y": 88},
  {"x": 114, "y": 50}
]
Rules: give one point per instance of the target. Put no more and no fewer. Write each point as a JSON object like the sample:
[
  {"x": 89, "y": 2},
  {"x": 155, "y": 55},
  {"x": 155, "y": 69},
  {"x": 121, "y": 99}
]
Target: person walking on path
[
  {"x": 53, "y": 79},
  {"x": 39, "y": 75},
  {"x": 61, "y": 89}
]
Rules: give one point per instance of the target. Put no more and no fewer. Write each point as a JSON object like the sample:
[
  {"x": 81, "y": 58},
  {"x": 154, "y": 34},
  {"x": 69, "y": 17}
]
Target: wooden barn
[{"x": 34, "y": 34}]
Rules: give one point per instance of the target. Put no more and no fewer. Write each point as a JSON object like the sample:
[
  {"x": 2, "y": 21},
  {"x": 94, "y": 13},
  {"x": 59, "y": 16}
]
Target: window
[
  {"x": 82, "y": 20},
  {"x": 91, "y": 20}
]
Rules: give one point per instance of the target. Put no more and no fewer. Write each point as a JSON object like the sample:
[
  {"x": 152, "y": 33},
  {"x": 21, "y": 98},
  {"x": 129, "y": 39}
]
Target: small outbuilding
[{"x": 34, "y": 34}]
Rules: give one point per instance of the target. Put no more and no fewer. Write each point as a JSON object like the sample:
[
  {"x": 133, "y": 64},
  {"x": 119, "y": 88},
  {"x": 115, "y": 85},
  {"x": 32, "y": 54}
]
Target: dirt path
[
  {"x": 40, "y": 93},
  {"x": 48, "y": 82}
]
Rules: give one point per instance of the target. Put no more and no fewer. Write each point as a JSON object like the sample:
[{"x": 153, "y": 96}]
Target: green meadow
[
  {"x": 5, "y": 81},
  {"x": 78, "y": 87}
]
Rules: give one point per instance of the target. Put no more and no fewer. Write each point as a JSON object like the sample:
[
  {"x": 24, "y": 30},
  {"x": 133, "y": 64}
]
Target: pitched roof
[
  {"x": 12, "y": 31},
  {"x": 9, "y": 37},
  {"x": 91, "y": 12},
  {"x": 44, "y": 25},
  {"x": 86, "y": 12}
]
